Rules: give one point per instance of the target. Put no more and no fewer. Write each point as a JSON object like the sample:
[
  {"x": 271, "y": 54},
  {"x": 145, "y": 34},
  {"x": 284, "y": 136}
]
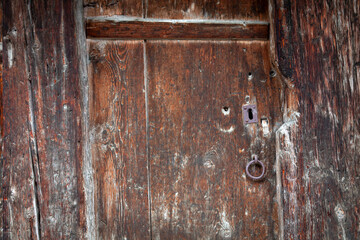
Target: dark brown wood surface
[
  {"x": 156, "y": 157},
  {"x": 1, "y": 147},
  {"x": 208, "y": 9},
  {"x": 42, "y": 183},
  {"x": 118, "y": 127},
  {"x": 317, "y": 48},
  {"x": 184, "y": 9},
  {"x": 1, "y": 123},
  {"x": 145, "y": 29},
  {"x": 113, "y": 7},
  {"x": 198, "y": 154}
]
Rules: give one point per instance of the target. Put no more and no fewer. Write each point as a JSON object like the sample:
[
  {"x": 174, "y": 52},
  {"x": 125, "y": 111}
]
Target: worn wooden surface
[
  {"x": 185, "y": 9},
  {"x": 1, "y": 123},
  {"x": 208, "y": 9},
  {"x": 317, "y": 48},
  {"x": 189, "y": 180},
  {"x": 1, "y": 142},
  {"x": 118, "y": 127},
  {"x": 143, "y": 29},
  {"x": 197, "y": 153},
  {"x": 42, "y": 184},
  {"x": 113, "y": 7}
]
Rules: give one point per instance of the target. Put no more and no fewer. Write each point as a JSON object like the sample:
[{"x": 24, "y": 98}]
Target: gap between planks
[{"x": 139, "y": 28}]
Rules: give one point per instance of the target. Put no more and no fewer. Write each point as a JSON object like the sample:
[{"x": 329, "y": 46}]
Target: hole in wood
[
  {"x": 250, "y": 114},
  {"x": 250, "y": 76},
  {"x": 272, "y": 73},
  {"x": 265, "y": 125},
  {"x": 225, "y": 110}
]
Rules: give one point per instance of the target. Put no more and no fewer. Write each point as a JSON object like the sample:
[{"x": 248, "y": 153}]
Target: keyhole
[{"x": 250, "y": 114}]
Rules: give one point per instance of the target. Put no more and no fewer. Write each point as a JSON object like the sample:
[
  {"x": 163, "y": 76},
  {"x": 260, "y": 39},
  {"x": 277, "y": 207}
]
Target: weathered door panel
[
  {"x": 199, "y": 145},
  {"x": 118, "y": 130},
  {"x": 110, "y": 7},
  {"x": 160, "y": 154},
  {"x": 208, "y": 9},
  {"x": 169, "y": 142}
]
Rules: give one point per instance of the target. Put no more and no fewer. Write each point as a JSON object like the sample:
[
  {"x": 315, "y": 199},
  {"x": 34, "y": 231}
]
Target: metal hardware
[
  {"x": 249, "y": 114},
  {"x": 255, "y": 161}
]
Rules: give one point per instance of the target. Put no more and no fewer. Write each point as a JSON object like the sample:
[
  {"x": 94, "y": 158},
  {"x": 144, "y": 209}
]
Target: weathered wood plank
[
  {"x": 1, "y": 21},
  {"x": 113, "y": 28},
  {"x": 1, "y": 124},
  {"x": 208, "y": 9},
  {"x": 1, "y": 146},
  {"x": 111, "y": 7},
  {"x": 118, "y": 127},
  {"x": 198, "y": 153},
  {"x": 43, "y": 189},
  {"x": 317, "y": 47}
]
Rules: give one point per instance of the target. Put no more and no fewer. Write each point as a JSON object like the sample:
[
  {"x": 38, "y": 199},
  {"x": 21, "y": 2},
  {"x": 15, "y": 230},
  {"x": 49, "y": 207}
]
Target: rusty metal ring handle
[{"x": 255, "y": 162}]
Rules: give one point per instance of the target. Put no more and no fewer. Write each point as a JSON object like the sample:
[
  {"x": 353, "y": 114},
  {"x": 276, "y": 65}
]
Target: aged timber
[
  {"x": 207, "y": 9},
  {"x": 118, "y": 127},
  {"x": 43, "y": 194},
  {"x": 116, "y": 28},
  {"x": 317, "y": 48},
  {"x": 198, "y": 154},
  {"x": 184, "y": 9}
]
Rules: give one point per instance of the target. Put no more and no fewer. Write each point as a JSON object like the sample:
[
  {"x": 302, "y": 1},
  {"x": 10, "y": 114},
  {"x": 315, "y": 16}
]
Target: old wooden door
[
  {"x": 169, "y": 141},
  {"x": 139, "y": 133}
]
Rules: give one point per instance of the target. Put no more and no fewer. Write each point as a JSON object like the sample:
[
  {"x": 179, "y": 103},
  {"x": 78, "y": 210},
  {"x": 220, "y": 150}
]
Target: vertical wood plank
[
  {"x": 43, "y": 187},
  {"x": 1, "y": 125},
  {"x": 205, "y": 9},
  {"x": 198, "y": 154},
  {"x": 118, "y": 127},
  {"x": 317, "y": 46},
  {"x": 18, "y": 188},
  {"x": 94, "y": 8},
  {"x": 1, "y": 148}
]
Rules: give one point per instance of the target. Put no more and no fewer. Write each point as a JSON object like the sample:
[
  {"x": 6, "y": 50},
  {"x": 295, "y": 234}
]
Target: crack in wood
[{"x": 146, "y": 82}]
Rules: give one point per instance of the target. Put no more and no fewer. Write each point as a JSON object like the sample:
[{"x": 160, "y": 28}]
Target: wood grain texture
[
  {"x": 113, "y": 7},
  {"x": 208, "y": 9},
  {"x": 118, "y": 127},
  {"x": 1, "y": 20},
  {"x": 143, "y": 29},
  {"x": 1, "y": 125},
  {"x": 42, "y": 183},
  {"x": 318, "y": 48},
  {"x": 198, "y": 154},
  {"x": 1, "y": 147}
]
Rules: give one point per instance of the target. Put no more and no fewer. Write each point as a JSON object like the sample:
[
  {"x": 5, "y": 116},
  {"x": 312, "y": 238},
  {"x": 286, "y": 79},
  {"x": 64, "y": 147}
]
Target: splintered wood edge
[{"x": 133, "y": 28}]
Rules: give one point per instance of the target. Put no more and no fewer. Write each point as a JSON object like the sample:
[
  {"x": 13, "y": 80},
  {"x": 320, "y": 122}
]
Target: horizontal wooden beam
[{"x": 112, "y": 28}]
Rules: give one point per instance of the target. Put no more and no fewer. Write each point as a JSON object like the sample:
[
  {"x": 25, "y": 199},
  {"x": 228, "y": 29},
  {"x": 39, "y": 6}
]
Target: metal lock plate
[{"x": 249, "y": 114}]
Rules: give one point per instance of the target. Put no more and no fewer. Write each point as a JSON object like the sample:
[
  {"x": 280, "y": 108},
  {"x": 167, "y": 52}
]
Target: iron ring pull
[{"x": 255, "y": 162}]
